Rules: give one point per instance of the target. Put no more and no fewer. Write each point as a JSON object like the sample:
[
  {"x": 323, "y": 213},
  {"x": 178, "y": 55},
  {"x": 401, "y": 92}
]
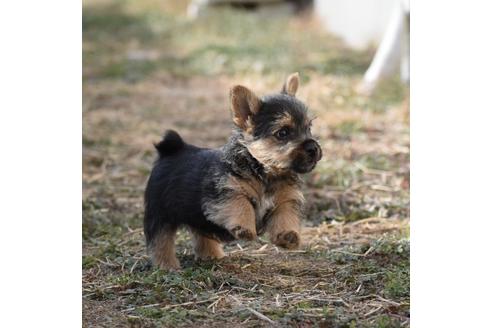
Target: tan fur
[
  {"x": 254, "y": 191},
  {"x": 238, "y": 215},
  {"x": 235, "y": 214},
  {"x": 206, "y": 248},
  {"x": 163, "y": 250},
  {"x": 252, "y": 188},
  {"x": 292, "y": 84},
  {"x": 276, "y": 159},
  {"x": 244, "y": 103},
  {"x": 285, "y": 120},
  {"x": 289, "y": 193},
  {"x": 284, "y": 225}
]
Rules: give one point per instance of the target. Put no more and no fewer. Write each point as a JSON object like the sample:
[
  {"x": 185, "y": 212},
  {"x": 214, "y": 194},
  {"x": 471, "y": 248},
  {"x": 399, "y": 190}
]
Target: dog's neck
[
  {"x": 243, "y": 164},
  {"x": 240, "y": 161}
]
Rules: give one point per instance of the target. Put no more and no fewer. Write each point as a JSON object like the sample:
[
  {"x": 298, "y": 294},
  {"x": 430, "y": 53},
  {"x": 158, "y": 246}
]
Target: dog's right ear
[
  {"x": 244, "y": 104},
  {"x": 291, "y": 85}
]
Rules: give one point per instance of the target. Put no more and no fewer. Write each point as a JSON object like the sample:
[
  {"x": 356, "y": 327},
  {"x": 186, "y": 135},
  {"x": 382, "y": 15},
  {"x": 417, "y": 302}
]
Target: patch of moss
[
  {"x": 88, "y": 261},
  {"x": 385, "y": 321},
  {"x": 397, "y": 282}
]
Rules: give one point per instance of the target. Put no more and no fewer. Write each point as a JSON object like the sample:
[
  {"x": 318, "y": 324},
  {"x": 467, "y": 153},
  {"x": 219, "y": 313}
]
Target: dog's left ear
[{"x": 291, "y": 84}]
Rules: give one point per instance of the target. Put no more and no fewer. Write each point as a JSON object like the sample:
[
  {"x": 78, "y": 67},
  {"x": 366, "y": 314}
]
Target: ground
[{"x": 147, "y": 68}]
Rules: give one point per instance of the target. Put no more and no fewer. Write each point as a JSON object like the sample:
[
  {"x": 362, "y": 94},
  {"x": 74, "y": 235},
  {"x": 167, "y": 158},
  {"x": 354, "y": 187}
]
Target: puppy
[{"x": 248, "y": 187}]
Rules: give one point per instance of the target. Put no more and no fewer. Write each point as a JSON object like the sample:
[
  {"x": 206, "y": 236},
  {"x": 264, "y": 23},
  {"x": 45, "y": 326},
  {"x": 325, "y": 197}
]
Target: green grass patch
[
  {"x": 223, "y": 42},
  {"x": 397, "y": 284}
]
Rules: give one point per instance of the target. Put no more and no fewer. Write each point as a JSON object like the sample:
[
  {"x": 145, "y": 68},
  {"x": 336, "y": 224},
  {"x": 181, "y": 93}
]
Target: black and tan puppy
[{"x": 248, "y": 187}]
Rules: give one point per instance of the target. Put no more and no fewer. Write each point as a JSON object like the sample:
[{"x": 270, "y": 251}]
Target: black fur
[
  {"x": 177, "y": 186},
  {"x": 275, "y": 106},
  {"x": 170, "y": 144},
  {"x": 185, "y": 177},
  {"x": 239, "y": 161}
]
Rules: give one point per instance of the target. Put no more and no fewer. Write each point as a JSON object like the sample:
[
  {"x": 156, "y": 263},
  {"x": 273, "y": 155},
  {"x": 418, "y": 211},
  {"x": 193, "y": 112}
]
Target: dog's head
[{"x": 276, "y": 129}]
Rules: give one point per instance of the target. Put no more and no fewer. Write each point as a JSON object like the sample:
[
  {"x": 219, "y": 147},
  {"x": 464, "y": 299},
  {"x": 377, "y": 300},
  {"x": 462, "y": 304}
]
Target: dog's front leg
[
  {"x": 237, "y": 215},
  {"x": 284, "y": 226}
]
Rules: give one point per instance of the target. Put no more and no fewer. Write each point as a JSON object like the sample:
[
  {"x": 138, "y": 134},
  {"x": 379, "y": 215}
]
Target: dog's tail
[{"x": 170, "y": 144}]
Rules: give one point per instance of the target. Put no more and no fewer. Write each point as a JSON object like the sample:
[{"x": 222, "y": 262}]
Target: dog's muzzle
[
  {"x": 313, "y": 150},
  {"x": 311, "y": 154}
]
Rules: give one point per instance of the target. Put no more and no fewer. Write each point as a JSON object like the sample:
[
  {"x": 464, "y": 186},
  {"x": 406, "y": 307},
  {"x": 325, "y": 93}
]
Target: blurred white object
[
  {"x": 393, "y": 49},
  {"x": 195, "y": 7},
  {"x": 361, "y": 23},
  {"x": 198, "y": 7}
]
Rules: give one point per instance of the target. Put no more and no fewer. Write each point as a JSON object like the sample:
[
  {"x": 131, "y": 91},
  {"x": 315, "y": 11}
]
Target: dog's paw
[
  {"x": 169, "y": 265},
  {"x": 243, "y": 233},
  {"x": 210, "y": 253},
  {"x": 288, "y": 239}
]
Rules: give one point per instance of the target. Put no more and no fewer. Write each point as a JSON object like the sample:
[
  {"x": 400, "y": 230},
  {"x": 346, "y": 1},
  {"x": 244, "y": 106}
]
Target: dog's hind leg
[
  {"x": 206, "y": 248},
  {"x": 162, "y": 248}
]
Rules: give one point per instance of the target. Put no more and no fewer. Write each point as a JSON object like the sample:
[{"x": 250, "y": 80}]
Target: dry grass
[
  {"x": 343, "y": 274},
  {"x": 147, "y": 69}
]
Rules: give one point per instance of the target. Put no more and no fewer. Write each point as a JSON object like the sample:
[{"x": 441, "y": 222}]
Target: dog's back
[{"x": 174, "y": 190}]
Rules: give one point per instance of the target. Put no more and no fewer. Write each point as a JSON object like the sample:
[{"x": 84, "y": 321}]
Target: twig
[
  {"x": 373, "y": 311},
  {"x": 171, "y": 305},
  {"x": 347, "y": 253},
  {"x": 328, "y": 300},
  {"x": 387, "y": 301},
  {"x": 262, "y": 248},
  {"x": 367, "y": 220},
  {"x": 369, "y": 251},
  {"x": 296, "y": 251},
  {"x": 256, "y": 313},
  {"x": 261, "y": 316},
  {"x": 188, "y": 303},
  {"x": 134, "y": 265},
  {"x": 381, "y": 188}
]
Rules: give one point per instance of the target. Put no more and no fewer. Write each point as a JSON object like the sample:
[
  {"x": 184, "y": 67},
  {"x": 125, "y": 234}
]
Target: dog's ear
[
  {"x": 244, "y": 104},
  {"x": 291, "y": 84}
]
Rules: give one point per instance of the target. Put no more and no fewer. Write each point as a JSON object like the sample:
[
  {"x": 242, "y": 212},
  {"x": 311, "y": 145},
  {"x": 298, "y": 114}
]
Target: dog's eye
[{"x": 282, "y": 133}]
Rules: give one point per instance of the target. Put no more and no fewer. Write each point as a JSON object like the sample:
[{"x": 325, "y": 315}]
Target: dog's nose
[{"x": 313, "y": 150}]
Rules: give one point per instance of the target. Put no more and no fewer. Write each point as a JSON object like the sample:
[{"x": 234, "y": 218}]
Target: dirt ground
[{"x": 146, "y": 69}]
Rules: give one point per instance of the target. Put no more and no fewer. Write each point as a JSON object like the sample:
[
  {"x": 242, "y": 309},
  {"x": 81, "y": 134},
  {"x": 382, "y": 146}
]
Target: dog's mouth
[
  {"x": 305, "y": 167},
  {"x": 308, "y": 159}
]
